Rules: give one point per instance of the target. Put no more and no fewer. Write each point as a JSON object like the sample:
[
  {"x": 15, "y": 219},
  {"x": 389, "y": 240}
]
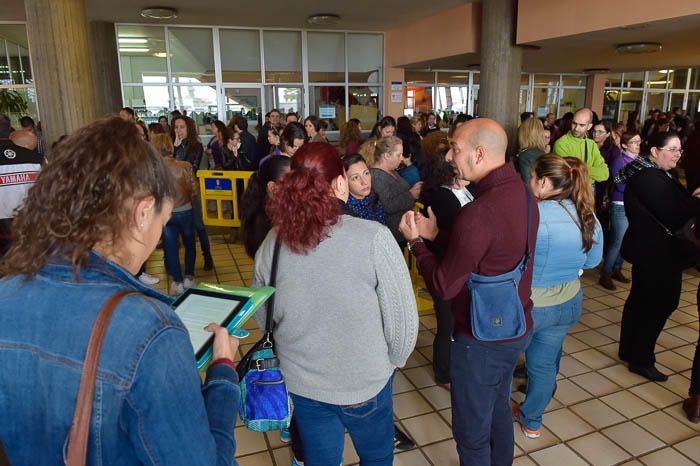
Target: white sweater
[{"x": 345, "y": 313}]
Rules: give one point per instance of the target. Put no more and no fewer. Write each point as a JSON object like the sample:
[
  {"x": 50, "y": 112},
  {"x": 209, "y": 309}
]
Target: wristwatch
[{"x": 413, "y": 242}]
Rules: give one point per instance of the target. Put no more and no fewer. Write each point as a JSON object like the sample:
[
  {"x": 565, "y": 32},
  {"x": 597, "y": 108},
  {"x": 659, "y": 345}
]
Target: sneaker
[
  {"x": 285, "y": 436},
  {"x": 176, "y": 288},
  {"x": 401, "y": 440},
  {"x": 147, "y": 279},
  {"x": 189, "y": 282},
  {"x": 528, "y": 433}
]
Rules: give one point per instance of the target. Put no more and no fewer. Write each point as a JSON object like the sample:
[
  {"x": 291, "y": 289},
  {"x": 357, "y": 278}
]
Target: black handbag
[{"x": 684, "y": 237}]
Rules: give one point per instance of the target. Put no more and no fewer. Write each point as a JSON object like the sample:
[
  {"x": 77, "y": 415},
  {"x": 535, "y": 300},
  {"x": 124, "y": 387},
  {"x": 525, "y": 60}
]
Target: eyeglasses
[{"x": 672, "y": 149}]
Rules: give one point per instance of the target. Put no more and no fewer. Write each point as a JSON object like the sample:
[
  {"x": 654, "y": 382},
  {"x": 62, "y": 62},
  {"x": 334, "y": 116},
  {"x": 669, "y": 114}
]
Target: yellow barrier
[{"x": 222, "y": 186}]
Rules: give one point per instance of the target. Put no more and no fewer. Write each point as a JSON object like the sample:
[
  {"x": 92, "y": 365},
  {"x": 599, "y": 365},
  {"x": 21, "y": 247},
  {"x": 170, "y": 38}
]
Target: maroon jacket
[{"x": 488, "y": 238}]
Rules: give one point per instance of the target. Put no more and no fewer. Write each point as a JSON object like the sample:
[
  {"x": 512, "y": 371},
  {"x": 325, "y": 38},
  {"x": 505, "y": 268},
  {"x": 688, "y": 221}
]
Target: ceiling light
[
  {"x": 160, "y": 55},
  {"x": 134, "y": 50},
  {"x": 159, "y": 12},
  {"x": 665, "y": 71},
  {"x": 323, "y": 19},
  {"x": 132, "y": 40},
  {"x": 639, "y": 47}
]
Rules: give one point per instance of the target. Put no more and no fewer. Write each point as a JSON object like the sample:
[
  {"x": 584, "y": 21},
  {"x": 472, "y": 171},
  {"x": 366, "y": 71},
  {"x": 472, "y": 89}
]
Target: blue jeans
[
  {"x": 370, "y": 425},
  {"x": 180, "y": 223},
  {"x": 482, "y": 422},
  {"x": 618, "y": 227},
  {"x": 199, "y": 226},
  {"x": 551, "y": 324}
]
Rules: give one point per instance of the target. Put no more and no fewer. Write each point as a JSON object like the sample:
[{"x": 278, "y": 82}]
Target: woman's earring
[{"x": 141, "y": 227}]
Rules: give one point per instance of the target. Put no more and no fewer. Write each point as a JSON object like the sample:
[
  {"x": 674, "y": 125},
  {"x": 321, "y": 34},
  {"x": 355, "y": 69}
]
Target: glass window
[
  {"x": 28, "y": 95},
  {"x": 328, "y": 103},
  {"x": 633, "y": 79},
  {"x": 200, "y": 104},
  {"x": 326, "y": 52},
  {"x": 243, "y": 101},
  {"x": 148, "y": 102},
  {"x": 475, "y": 100},
  {"x": 451, "y": 101},
  {"x": 657, "y": 79},
  {"x": 286, "y": 99},
  {"x": 695, "y": 78},
  {"x": 676, "y": 100},
  {"x": 419, "y": 77},
  {"x": 571, "y": 100},
  {"x": 573, "y": 80},
  {"x": 678, "y": 79},
  {"x": 142, "y": 53},
  {"x": 460, "y": 78},
  {"x": 476, "y": 76},
  {"x": 522, "y": 99},
  {"x": 694, "y": 106},
  {"x": 15, "y": 66},
  {"x": 613, "y": 79},
  {"x": 418, "y": 99},
  {"x": 365, "y": 58},
  {"x": 611, "y": 104},
  {"x": 282, "y": 56},
  {"x": 544, "y": 100},
  {"x": 631, "y": 102},
  {"x": 364, "y": 104},
  {"x": 192, "y": 55},
  {"x": 240, "y": 56},
  {"x": 525, "y": 79},
  {"x": 546, "y": 80}
]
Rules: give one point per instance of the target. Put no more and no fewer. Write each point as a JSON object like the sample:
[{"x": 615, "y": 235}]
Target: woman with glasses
[
  {"x": 612, "y": 267},
  {"x": 656, "y": 205}
]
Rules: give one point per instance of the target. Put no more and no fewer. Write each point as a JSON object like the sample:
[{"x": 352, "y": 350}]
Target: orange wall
[
  {"x": 547, "y": 19},
  {"x": 451, "y": 32}
]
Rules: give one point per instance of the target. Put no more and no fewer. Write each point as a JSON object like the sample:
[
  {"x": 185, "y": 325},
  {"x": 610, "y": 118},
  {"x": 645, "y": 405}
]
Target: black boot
[{"x": 208, "y": 262}]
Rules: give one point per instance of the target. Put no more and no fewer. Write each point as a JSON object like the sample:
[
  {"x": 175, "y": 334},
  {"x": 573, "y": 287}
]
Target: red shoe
[{"x": 529, "y": 433}]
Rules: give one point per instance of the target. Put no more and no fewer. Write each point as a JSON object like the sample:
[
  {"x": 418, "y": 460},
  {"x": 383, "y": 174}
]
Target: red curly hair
[{"x": 304, "y": 208}]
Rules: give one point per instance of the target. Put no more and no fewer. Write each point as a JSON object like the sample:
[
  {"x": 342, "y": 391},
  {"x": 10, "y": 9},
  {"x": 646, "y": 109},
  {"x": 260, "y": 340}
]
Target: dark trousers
[
  {"x": 656, "y": 290},
  {"x": 695, "y": 374},
  {"x": 443, "y": 339},
  {"x": 482, "y": 422}
]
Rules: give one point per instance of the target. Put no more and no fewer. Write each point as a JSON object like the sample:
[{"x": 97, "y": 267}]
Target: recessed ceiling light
[
  {"x": 159, "y": 12},
  {"x": 665, "y": 71},
  {"x": 134, "y": 50},
  {"x": 160, "y": 54},
  {"x": 323, "y": 18},
  {"x": 639, "y": 47}
]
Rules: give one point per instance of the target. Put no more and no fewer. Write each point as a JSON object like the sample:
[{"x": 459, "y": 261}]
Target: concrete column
[
  {"x": 58, "y": 40},
  {"x": 501, "y": 65},
  {"x": 105, "y": 67},
  {"x": 595, "y": 93}
]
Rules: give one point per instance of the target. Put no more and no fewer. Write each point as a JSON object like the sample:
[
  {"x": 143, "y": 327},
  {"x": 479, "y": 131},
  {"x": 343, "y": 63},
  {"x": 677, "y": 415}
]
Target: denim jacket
[
  {"x": 559, "y": 254},
  {"x": 149, "y": 404}
]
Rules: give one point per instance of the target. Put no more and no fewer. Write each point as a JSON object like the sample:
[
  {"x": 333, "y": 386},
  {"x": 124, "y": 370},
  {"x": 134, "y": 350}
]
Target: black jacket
[
  {"x": 653, "y": 198},
  {"x": 249, "y": 147}
]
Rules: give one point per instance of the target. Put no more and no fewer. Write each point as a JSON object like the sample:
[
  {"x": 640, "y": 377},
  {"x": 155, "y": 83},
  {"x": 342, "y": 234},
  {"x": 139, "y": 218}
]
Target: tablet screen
[{"x": 197, "y": 308}]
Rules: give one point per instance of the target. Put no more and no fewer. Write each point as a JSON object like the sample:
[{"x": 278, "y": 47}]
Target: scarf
[{"x": 626, "y": 173}]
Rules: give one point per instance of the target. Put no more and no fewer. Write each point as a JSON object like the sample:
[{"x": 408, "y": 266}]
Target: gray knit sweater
[{"x": 345, "y": 314}]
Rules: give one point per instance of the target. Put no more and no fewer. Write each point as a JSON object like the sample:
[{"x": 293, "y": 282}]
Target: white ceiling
[{"x": 373, "y": 15}]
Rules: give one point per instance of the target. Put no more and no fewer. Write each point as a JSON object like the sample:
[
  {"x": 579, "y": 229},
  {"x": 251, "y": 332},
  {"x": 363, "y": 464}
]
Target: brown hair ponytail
[{"x": 569, "y": 177}]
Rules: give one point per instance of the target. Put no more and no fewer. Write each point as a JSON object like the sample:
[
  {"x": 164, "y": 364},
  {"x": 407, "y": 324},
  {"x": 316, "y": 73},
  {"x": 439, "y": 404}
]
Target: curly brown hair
[{"x": 85, "y": 196}]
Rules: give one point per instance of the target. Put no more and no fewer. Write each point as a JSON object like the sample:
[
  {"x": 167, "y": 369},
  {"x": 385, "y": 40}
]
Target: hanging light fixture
[
  {"x": 639, "y": 47},
  {"x": 323, "y": 19}
]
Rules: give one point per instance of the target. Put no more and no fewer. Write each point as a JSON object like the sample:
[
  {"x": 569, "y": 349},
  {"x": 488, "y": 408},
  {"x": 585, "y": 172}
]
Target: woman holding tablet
[
  {"x": 93, "y": 217},
  {"x": 337, "y": 350}
]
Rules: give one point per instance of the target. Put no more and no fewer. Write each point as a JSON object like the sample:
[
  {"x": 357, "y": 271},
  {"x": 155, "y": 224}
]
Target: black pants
[
  {"x": 443, "y": 339},
  {"x": 655, "y": 293},
  {"x": 695, "y": 375}
]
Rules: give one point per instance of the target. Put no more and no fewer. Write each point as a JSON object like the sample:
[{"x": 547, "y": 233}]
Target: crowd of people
[{"x": 579, "y": 193}]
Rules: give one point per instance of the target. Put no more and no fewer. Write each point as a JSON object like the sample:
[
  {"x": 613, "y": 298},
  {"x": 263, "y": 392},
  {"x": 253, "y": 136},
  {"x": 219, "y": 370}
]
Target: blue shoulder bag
[
  {"x": 496, "y": 310},
  {"x": 264, "y": 398}
]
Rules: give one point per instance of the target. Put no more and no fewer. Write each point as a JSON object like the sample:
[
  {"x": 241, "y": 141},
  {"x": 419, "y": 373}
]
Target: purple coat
[{"x": 616, "y": 164}]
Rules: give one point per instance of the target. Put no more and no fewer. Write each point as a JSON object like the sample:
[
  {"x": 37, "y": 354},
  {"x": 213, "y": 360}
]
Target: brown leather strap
[{"x": 80, "y": 429}]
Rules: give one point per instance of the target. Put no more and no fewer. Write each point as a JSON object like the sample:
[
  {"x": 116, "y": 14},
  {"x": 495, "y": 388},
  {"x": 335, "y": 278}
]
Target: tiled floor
[{"x": 601, "y": 414}]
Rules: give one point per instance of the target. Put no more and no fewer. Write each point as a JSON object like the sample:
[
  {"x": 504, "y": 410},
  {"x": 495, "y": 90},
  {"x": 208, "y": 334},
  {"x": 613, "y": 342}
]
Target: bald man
[
  {"x": 576, "y": 143},
  {"x": 24, "y": 138},
  {"x": 488, "y": 238}
]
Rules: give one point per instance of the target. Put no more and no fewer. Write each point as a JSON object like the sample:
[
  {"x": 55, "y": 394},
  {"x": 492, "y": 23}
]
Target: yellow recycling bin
[{"x": 222, "y": 187}]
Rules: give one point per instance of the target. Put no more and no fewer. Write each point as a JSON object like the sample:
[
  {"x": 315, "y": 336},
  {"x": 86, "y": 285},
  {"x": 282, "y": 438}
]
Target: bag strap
[
  {"x": 585, "y": 148},
  {"x": 269, "y": 324},
  {"x": 529, "y": 221},
  {"x": 570, "y": 215},
  {"x": 80, "y": 429}
]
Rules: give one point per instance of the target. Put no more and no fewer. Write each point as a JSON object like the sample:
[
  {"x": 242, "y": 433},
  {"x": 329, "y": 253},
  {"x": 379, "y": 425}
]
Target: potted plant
[{"x": 12, "y": 102}]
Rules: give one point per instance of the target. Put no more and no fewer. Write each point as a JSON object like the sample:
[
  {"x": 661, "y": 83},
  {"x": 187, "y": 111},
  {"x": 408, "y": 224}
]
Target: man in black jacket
[{"x": 248, "y": 144}]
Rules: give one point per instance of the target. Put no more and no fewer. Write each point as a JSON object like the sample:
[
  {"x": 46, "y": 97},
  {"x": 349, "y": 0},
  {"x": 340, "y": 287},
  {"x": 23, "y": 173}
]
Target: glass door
[
  {"x": 246, "y": 101},
  {"x": 286, "y": 99}
]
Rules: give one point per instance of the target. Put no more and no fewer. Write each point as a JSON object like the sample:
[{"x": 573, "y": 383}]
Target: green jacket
[
  {"x": 586, "y": 150},
  {"x": 526, "y": 160}
]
